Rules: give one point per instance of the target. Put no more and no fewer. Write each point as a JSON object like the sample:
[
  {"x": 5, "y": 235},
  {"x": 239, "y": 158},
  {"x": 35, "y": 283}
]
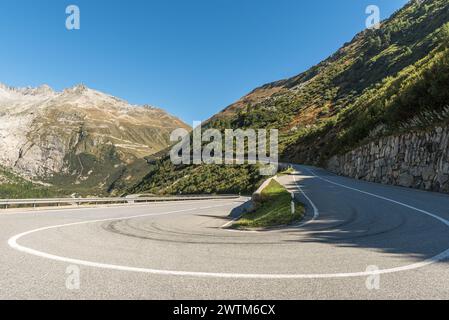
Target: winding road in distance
[{"x": 356, "y": 235}]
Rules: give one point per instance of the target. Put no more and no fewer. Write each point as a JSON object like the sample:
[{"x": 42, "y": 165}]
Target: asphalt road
[{"x": 359, "y": 241}]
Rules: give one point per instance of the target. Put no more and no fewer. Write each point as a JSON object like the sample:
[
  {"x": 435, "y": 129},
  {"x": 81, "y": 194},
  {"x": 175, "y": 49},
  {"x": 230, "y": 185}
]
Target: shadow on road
[{"x": 352, "y": 219}]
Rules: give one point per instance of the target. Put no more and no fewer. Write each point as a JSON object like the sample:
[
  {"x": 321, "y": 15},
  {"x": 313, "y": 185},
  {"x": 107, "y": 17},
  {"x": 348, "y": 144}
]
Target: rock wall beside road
[{"x": 417, "y": 160}]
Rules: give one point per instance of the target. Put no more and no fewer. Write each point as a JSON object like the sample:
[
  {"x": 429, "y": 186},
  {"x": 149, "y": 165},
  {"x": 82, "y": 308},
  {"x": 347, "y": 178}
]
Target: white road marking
[
  {"x": 316, "y": 212},
  {"x": 383, "y": 198},
  {"x": 13, "y": 244},
  {"x": 227, "y": 224}
]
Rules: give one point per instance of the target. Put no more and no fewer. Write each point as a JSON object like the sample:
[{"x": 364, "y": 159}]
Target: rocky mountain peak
[
  {"x": 78, "y": 89},
  {"x": 78, "y": 137},
  {"x": 13, "y": 94},
  {"x": 41, "y": 90}
]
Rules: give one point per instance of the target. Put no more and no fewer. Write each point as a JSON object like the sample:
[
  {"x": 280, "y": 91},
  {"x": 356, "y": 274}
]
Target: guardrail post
[{"x": 293, "y": 204}]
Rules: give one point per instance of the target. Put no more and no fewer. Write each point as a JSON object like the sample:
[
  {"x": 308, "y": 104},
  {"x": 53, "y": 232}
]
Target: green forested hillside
[
  {"x": 384, "y": 81},
  {"x": 166, "y": 178},
  {"x": 14, "y": 187}
]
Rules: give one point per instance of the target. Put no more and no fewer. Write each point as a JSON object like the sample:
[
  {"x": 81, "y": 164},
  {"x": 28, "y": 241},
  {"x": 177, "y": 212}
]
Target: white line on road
[
  {"x": 13, "y": 244},
  {"x": 316, "y": 212},
  {"x": 382, "y": 198}
]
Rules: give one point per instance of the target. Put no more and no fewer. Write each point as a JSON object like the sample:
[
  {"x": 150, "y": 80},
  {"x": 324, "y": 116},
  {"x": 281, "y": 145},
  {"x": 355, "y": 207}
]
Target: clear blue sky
[{"x": 190, "y": 57}]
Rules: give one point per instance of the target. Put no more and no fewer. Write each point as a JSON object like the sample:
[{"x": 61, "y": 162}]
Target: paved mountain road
[{"x": 179, "y": 250}]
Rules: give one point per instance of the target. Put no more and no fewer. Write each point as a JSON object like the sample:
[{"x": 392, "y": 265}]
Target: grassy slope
[
  {"x": 382, "y": 82},
  {"x": 15, "y": 187},
  {"x": 165, "y": 178},
  {"x": 372, "y": 85},
  {"x": 99, "y": 175},
  {"x": 273, "y": 210}
]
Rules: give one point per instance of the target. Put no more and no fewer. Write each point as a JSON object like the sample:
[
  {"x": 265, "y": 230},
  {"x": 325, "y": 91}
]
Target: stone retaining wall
[{"x": 417, "y": 160}]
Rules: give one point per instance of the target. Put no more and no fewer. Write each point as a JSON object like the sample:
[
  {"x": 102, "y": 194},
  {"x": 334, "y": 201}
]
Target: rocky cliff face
[
  {"x": 71, "y": 137},
  {"x": 418, "y": 160}
]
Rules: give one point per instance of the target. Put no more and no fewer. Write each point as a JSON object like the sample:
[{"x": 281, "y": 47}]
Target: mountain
[
  {"x": 13, "y": 186},
  {"x": 383, "y": 82},
  {"x": 338, "y": 103},
  {"x": 79, "y": 140}
]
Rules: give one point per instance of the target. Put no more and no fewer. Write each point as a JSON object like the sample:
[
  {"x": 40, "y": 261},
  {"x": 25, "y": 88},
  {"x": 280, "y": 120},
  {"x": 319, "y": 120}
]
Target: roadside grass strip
[{"x": 272, "y": 209}]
